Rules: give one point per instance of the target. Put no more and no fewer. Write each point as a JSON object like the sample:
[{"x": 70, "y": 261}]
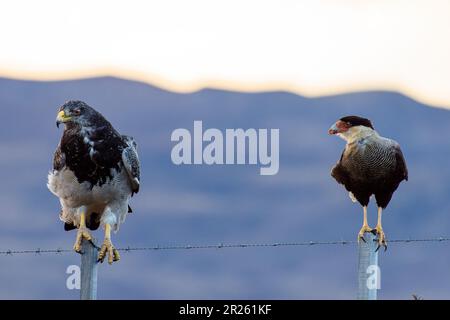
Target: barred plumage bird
[
  {"x": 95, "y": 173},
  {"x": 369, "y": 165}
]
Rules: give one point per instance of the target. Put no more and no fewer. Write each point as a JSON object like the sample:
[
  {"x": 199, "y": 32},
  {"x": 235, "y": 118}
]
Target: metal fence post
[
  {"x": 368, "y": 269},
  {"x": 89, "y": 267}
]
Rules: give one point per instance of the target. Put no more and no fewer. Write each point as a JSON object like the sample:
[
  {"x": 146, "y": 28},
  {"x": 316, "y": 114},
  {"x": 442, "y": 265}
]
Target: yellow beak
[{"x": 61, "y": 118}]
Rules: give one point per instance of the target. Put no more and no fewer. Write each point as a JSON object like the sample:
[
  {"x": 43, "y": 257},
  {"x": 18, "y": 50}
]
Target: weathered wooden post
[
  {"x": 368, "y": 269},
  {"x": 89, "y": 267}
]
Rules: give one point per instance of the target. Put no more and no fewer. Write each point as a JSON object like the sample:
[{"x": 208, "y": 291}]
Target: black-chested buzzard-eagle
[{"x": 95, "y": 172}]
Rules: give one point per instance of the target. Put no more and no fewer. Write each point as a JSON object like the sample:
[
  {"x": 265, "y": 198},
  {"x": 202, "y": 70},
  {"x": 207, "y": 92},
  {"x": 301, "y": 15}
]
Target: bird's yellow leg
[
  {"x": 378, "y": 231},
  {"x": 365, "y": 227},
  {"x": 82, "y": 233},
  {"x": 107, "y": 247}
]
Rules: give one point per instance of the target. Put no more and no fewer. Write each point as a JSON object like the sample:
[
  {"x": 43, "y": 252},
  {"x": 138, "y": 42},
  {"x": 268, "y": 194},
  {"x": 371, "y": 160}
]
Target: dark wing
[
  {"x": 130, "y": 161},
  {"x": 107, "y": 147},
  {"x": 357, "y": 188},
  {"x": 401, "y": 171},
  {"x": 59, "y": 159},
  {"x": 340, "y": 174}
]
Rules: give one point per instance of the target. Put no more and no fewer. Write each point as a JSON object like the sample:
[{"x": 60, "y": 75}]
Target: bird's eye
[{"x": 76, "y": 112}]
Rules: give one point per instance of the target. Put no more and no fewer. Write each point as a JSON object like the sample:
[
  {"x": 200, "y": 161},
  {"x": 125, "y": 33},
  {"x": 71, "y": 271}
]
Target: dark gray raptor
[{"x": 95, "y": 173}]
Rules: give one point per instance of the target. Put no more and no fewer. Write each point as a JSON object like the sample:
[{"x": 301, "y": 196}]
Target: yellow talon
[
  {"x": 82, "y": 233},
  {"x": 107, "y": 248},
  {"x": 378, "y": 231},
  {"x": 365, "y": 228},
  {"x": 381, "y": 237}
]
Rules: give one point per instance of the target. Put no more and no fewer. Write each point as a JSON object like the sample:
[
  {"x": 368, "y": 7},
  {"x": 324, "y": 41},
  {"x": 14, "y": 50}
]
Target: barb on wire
[
  {"x": 11, "y": 252},
  {"x": 35, "y": 251}
]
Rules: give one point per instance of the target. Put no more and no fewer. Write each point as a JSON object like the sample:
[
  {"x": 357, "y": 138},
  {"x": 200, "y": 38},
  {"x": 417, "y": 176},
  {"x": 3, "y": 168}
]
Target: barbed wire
[{"x": 10, "y": 252}]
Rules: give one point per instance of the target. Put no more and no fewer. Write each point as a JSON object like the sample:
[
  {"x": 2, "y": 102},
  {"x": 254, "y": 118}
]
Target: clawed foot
[
  {"x": 364, "y": 229},
  {"x": 82, "y": 233},
  {"x": 381, "y": 238},
  {"x": 107, "y": 248}
]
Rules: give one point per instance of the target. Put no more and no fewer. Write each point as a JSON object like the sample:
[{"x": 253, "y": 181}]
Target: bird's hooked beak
[
  {"x": 338, "y": 127},
  {"x": 61, "y": 118},
  {"x": 333, "y": 129}
]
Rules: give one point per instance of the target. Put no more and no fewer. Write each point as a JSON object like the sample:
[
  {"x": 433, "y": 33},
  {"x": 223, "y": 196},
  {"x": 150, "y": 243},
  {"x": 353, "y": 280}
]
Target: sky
[{"x": 311, "y": 47}]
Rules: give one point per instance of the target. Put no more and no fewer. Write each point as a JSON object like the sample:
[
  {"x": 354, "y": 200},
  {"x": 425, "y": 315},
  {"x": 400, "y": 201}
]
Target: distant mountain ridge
[{"x": 110, "y": 80}]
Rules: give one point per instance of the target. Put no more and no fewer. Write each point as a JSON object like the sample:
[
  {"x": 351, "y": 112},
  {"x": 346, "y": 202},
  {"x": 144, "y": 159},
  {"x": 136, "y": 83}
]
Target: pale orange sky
[{"x": 311, "y": 47}]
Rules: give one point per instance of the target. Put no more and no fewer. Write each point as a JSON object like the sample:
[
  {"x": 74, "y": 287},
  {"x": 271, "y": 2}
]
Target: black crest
[{"x": 357, "y": 121}]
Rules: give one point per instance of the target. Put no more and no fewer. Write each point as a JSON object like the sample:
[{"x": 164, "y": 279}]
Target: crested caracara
[{"x": 369, "y": 165}]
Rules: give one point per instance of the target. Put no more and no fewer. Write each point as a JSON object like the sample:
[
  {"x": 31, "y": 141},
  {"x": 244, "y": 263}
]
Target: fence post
[
  {"x": 368, "y": 269},
  {"x": 89, "y": 267}
]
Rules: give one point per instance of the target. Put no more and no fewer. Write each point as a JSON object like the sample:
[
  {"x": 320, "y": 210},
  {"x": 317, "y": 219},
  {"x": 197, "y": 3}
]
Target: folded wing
[{"x": 131, "y": 163}]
